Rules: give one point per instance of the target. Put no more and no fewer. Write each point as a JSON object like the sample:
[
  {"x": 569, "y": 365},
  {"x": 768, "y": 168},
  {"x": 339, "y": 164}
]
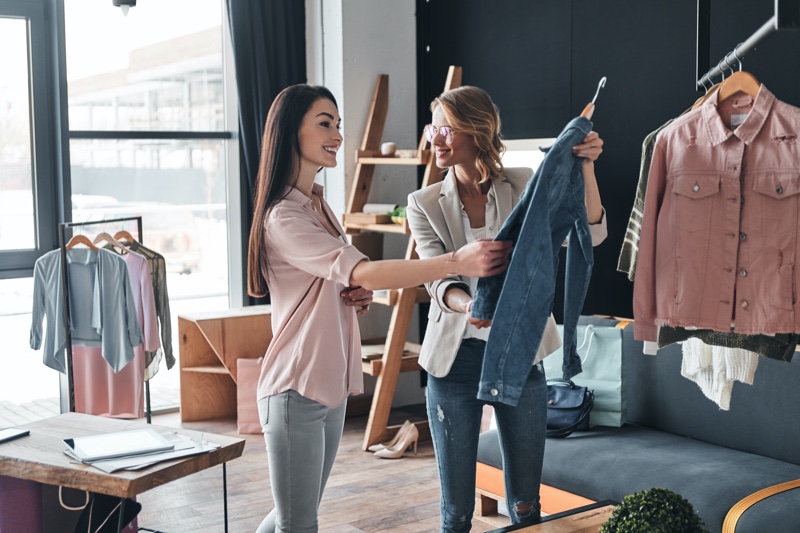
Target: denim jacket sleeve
[{"x": 428, "y": 244}]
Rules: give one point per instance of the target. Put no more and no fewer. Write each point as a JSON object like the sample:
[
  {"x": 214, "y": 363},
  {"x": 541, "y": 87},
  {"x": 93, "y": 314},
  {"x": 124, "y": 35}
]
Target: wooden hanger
[
  {"x": 111, "y": 240},
  {"x": 738, "y": 81},
  {"x": 122, "y": 234},
  {"x": 714, "y": 88},
  {"x": 81, "y": 239},
  {"x": 589, "y": 109}
]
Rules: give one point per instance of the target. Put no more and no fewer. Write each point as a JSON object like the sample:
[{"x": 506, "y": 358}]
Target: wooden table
[
  {"x": 40, "y": 457},
  {"x": 586, "y": 519}
]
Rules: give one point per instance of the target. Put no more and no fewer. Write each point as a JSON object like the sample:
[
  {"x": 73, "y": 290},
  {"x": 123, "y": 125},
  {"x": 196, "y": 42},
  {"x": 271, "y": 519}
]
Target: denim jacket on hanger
[{"x": 520, "y": 300}]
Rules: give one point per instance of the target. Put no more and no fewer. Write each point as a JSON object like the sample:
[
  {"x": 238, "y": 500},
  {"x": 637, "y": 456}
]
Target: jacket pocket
[
  {"x": 776, "y": 201},
  {"x": 694, "y": 198},
  {"x": 782, "y": 288}
]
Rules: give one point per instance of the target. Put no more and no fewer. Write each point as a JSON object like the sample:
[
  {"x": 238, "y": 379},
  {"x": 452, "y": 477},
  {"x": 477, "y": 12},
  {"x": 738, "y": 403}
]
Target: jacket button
[
  {"x": 743, "y": 273},
  {"x": 742, "y": 236},
  {"x": 779, "y": 189},
  {"x": 494, "y": 392},
  {"x": 744, "y": 304},
  {"x": 696, "y": 188}
]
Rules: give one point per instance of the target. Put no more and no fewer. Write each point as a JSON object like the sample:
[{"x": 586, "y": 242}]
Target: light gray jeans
[{"x": 302, "y": 439}]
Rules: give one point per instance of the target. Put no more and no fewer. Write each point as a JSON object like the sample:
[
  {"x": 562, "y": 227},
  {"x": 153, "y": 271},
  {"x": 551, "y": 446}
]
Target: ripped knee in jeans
[{"x": 525, "y": 510}]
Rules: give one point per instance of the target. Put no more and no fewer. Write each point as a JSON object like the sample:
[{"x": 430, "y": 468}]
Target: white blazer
[{"x": 435, "y": 218}]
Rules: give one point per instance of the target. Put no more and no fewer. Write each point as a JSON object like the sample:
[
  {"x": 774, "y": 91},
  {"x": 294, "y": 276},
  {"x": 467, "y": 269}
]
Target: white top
[{"x": 473, "y": 234}]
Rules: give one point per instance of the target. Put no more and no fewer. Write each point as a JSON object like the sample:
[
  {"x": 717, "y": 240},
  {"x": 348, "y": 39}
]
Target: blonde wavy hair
[{"x": 470, "y": 110}]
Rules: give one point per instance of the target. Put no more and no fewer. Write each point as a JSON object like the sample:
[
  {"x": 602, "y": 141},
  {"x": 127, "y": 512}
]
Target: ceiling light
[{"x": 124, "y": 5}]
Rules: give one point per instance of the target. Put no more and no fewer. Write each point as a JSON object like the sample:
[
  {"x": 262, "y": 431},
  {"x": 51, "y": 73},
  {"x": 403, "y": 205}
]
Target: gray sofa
[{"x": 677, "y": 439}]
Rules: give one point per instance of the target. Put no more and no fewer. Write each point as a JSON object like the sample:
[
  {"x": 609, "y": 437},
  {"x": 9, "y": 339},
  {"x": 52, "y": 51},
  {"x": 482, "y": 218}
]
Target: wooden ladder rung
[
  {"x": 400, "y": 157},
  {"x": 390, "y": 297},
  {"x": 352, "y": 227}
]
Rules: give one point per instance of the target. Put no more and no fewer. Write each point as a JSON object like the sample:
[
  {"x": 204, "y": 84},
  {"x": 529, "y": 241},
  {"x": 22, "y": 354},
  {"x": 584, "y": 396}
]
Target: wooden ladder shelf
[{"x": 398, "y": 355}]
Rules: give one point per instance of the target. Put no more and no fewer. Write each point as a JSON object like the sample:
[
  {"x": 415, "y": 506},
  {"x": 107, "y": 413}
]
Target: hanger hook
[
  {"x": 727, "y": 63},
  {"x": 736, "y": 55},
  {"x": 600, "y": 85},
  {"x": 721, "y": 70}
]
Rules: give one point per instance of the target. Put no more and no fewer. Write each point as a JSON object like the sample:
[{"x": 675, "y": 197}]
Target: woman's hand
[
  {"x": 591, "y": 148},
  {"x": 481, "y": 258},
  {"x": 357, "y": 297},
  {"x": 478, "y": 323}
]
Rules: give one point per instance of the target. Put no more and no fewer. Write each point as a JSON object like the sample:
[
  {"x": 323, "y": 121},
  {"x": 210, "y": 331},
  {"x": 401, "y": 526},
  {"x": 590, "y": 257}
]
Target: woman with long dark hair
[{"x": 318, "y": 284}]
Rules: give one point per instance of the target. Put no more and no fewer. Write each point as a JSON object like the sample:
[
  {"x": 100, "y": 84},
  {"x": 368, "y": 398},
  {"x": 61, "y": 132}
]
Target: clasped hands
[{"x": 357, "y": 296}]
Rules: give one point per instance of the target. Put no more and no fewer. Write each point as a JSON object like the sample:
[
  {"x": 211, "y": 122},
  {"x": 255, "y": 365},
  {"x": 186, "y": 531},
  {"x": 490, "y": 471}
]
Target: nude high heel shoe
[
  {"x": 408, "y": 439},
  {"x": 397, "y": 436}
]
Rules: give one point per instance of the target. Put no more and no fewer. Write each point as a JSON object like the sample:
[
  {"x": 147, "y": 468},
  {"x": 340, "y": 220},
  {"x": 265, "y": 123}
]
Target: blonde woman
[{"x": 471, "y": 203}]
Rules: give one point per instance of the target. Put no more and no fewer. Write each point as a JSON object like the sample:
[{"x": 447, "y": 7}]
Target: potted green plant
[{"x": 655, "y": 510}]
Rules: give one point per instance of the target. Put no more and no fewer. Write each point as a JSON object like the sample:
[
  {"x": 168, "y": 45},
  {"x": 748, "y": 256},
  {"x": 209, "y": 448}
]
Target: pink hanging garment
[{"x": 98, "y": 390}]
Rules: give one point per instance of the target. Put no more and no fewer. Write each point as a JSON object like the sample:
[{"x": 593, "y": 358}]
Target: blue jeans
[
  {"x": 302, "y": 439},
  {"x": 520, "y": 300},
  {"x": 454, "y": 414}
]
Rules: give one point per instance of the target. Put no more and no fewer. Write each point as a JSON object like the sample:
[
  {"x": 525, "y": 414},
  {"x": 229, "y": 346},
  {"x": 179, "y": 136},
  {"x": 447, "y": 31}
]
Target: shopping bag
[
  {"x": 600, "y": 349},
  {"x": 20, "y": 505},
  {"x": 247, "y": 373},
  {"x": 65, "y": 509}
]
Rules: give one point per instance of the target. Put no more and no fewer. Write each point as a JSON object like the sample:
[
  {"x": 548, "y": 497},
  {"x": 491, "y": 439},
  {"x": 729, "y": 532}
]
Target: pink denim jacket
[{"x": 719, "y": 239}]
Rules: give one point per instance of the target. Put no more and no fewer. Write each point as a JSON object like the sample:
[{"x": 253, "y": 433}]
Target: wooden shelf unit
[
  {"x": 397, "y": 356},
  {"x": 210, "y": 344}
]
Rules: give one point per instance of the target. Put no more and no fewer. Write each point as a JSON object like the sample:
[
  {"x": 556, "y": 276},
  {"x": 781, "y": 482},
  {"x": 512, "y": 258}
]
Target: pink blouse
[{"x": 316, "y": 347}]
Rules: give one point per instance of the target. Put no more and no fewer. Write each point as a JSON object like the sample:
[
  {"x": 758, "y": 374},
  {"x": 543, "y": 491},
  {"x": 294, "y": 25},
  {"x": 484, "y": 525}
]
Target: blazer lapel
[
  {"x": 504, "y": 198},
  {"x": 450, "y": 204}
]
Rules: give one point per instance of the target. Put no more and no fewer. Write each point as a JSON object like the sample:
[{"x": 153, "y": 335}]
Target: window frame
[
  {"x": 51, "y": 183},
  {"x": 44, "y": 175}
]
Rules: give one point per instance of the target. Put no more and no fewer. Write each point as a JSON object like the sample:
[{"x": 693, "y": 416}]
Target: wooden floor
[{"x": 364, "y": 493}]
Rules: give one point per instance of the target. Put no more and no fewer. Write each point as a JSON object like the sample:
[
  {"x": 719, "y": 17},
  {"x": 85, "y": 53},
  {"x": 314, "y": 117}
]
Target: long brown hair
[
  {"x": 470, "y": 110},
  {"x": 277, "y": 169}
]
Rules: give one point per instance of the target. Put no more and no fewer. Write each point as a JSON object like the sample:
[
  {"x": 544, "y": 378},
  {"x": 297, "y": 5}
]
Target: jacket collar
[
  {"x": 294, "y": 195},
  {"x": 500, "y": 194},
  {"x": 450, "y": 204},
  {"x": 718, "y": 132},
  {"x": 503, "y": 195}
]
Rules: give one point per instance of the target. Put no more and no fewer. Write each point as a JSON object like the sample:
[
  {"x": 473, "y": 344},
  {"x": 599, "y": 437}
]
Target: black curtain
[{"x": 269, "y": 50}]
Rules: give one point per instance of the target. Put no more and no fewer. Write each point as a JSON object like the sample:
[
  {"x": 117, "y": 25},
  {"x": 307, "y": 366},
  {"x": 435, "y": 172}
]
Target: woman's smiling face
[
  {"x": 319, "y": 137},
  {"x": 461, "y": 149}
]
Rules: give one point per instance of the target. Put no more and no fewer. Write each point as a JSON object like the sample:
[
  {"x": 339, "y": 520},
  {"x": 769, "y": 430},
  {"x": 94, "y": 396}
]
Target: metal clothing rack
[
  {"x": 786, "y": 17},
  {"x": 62, "y": 242}
]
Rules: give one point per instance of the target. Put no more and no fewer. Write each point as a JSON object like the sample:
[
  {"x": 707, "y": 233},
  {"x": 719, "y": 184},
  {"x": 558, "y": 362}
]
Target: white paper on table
[{"x": 184, "y": 447}]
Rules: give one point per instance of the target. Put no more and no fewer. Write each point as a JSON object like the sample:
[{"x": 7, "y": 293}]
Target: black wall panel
[
  {"x": 519, "y": 52},
  {"x": 540, "y": 60}
]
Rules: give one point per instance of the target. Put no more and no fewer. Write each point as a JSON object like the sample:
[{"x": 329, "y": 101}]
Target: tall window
[
  {"x": 27, "y": 197},
  {"x": 151, "y": 110},
  {"x": 149, "y": 137}
]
